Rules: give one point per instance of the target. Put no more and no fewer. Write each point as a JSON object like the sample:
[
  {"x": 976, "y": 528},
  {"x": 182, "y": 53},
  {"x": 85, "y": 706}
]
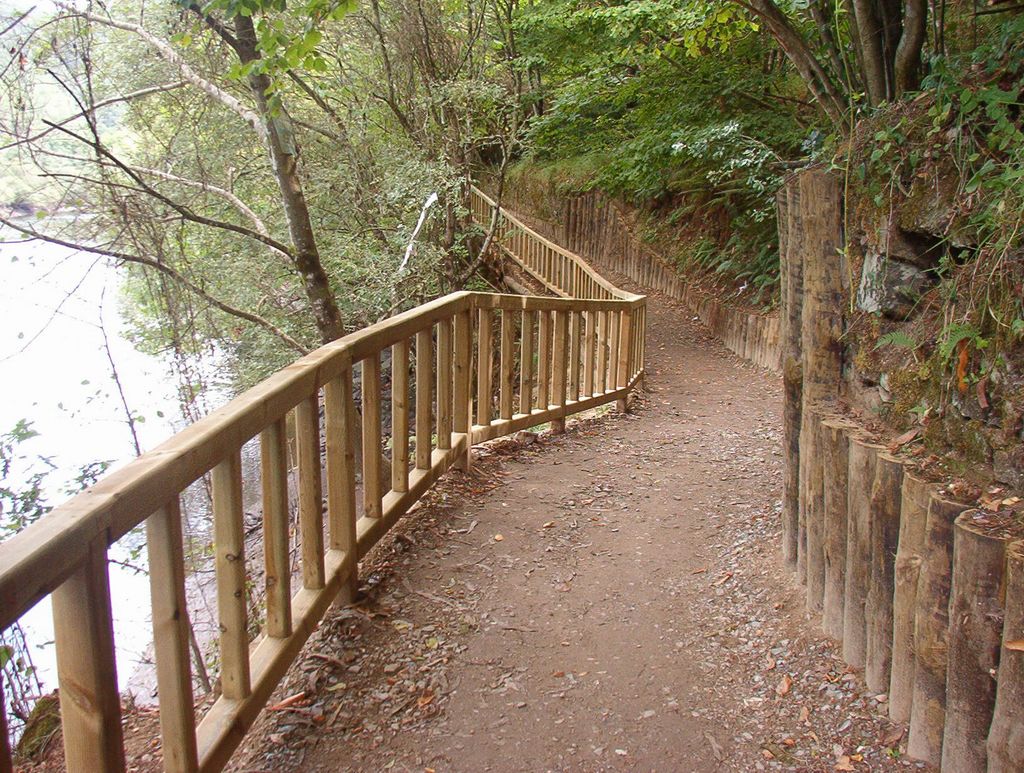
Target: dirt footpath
[{"x": 608, "y": 599}]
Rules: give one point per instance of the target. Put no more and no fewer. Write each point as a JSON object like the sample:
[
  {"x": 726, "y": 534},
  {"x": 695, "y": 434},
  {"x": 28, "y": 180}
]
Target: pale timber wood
[
  {"x": 463, "y": 380},
  {"x": 165, "y": 553},
  {"x": 311, "y": 494},
  {"x": 1005, "y": 744},
  {"x": 909, "y": 555},
  {"x": 812, "y": 509},
  {"x": 229, "y": 558},
  {"x": 885, "y": 533},
  {"x": 339, "y": 423},
  {"x": 400, "y": 416},
  {"x": 613, "y": 349},
  {"x": 424, "y": 397},
  {"x": 544, "y": 360},
  {"x": 574, "y": 355},
  {"x": 625, "y": 348},
  {"x": 277, "y": 567},
  {"x": 602, "y": 352},
  {"x": 589, "y": 351},
  {"x": 372, "y": 481},
  {"x": 559, "y": 367},
  {"x": 975, "y": 639},
  {"x": 444, "y": 384},
  {"x": 525, "y": 365},
  {"x": 507, "y": 365},
  {"x": 484, "y": 363},
  {"x": 86, "y": 669}
]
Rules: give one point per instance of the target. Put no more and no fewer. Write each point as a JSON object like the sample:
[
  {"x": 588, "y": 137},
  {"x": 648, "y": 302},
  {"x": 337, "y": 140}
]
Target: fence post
[
  {"x": 463, "y": 382},
  {"x": 86, "y": 668}
]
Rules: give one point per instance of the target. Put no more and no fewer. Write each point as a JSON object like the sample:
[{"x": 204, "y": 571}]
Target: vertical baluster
[
  {"x": 559, "y": 367},
  {"x": 589, "y": 352},
  {"x": 86, "y": 669},
  {"x": 311, "y": 492},
  {"x": 544, "y": 360},
  {"x": 424, "y": 396},
  {"x": 508, "y": 333},
  {"x": 371, "y": 437},
  {"x": 400, "y": 416},
  {"x": 444, "y": 384},
  {"x": 165, "y": 553},
  {"x": 339, "y": 422},
  {"x": 6, "y": 765},
  {"x": 229, "y": 554},
  {"x": 574, "y": 355},
  {"x": 602, "y": 352},
  {"x": 526, "y": 365},
  {"x": 277, "y": 571},
  {"x": 484, "y": 358},
  {"x": 613, "y": 350},
  {"x": 463, "y": 376}
]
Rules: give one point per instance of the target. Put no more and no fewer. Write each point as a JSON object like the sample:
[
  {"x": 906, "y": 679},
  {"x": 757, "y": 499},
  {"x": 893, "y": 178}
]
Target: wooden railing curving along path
[{"x": 537, "y": 359}]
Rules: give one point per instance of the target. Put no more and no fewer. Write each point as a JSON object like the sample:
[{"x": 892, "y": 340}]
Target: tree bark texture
[
  {"x": 812, "y": 508},
  {"x": 791, "y": 271},
  {"x": 835, "y": 453},
  {"x": 909, "y": 555},
  {"x": 885, "y": 533},
  {"x": 975, "y": 638},
  {"x": 861, "y": 477},
  {"x": 931, "y": 628},
  {"x": 1006, "y": 735}
]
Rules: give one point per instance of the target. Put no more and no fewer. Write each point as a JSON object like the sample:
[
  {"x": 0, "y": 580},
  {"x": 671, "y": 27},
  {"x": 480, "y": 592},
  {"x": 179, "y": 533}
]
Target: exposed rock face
[
  {"x": 891, "y": 287},
  {"x": 932, "y": 208}
]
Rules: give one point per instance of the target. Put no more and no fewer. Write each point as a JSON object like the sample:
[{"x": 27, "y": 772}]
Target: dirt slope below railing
[{"x": 614, "y": 602}]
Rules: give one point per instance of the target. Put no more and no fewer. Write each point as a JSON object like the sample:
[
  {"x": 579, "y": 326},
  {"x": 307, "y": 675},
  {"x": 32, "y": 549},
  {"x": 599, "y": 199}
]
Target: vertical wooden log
[
  {"x": 1006, "y": 734},
  {"x": 861, "y": 478},
  {"x": 400, "y": 416},
  {"x": 931, "y": 628},
  {"x": 229, "y": 558},
  {"x": 311, "y": 496},
  {"x": 170, "y": 638},
  {"x": 975, "y": 639},
  {"x": 484, "y": 362},
  {"x": 90, "y": 706},
  {"x": 424, "y": 397},
  {"x": 589, "y": 350},
  {"x": 909, "y": 555},
  {"x": 526, "y": 364},
  {"x": 372, "y": 480},
  {"x": 812, "y": 509},
  {"x": 507, "y": 373},
  {"x": 444, "y": 384},
  {"x": 277, "y": 566},
  {"x": 791, "y": 275},
  {"x": 559, "y": 367},
  {"x": 885, "y": 534},
  {"x": 625, "y": 347},
  {"x": 835, "y": 437},
  {"x": 463, "y": 375},
  {"x": 544, "y": 361},
  {"x": 339, "y": 420}
]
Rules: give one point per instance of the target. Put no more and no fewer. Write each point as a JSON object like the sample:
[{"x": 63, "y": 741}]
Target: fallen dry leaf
[
  {"x": 1017, "y": 645},
  {"x": 498, "y": 538},
  {"x": 784, "y": 686},
  {"x": 805, "y": 714},
  {"x": 903, "y": 439}
]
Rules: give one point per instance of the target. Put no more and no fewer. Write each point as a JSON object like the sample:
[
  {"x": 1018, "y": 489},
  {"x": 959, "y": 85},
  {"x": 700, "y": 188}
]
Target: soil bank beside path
[{"x": 608, "y": 599}]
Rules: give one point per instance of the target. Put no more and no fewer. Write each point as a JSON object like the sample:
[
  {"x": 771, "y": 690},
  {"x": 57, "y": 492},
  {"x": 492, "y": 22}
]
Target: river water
[{"x": 56, "y": 373}]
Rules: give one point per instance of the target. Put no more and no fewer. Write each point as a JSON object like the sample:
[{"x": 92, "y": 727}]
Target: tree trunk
[
  {"x": 284, "y": 155},
  {"x": 835, "y": 452},
  {"x": 909, "y": 555},
  {"x": 908, "y": 52},
  {"x": 791, "y": 272},
  {"x": 858, "y": 548},
  {"x": 931, "y": 628},
  {"x": 1006, "y": 735},
  {"x": 885, "y": 534},
  {"x": 975, "y": 638}
]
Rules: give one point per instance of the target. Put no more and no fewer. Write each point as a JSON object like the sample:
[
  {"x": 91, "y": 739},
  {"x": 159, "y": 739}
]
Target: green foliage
[{"x": 898, "y": 339}]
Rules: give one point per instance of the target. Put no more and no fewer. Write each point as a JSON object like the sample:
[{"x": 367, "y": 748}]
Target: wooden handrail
[{"x": 589, "y": 349}]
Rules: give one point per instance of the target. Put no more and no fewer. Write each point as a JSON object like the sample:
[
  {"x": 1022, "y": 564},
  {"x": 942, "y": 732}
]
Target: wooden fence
[{"x": 465, "y": 368}]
